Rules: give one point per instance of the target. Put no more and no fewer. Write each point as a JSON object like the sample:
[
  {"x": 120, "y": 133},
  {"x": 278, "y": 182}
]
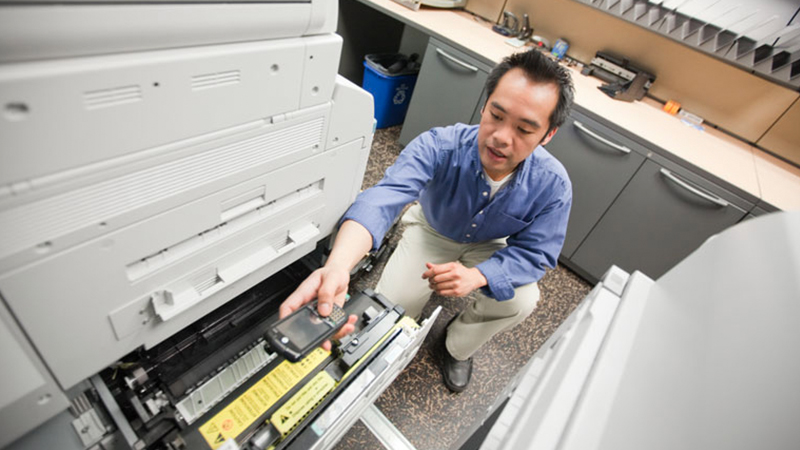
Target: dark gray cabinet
[
  {"x": 661, "y": 216},
  {"x": 448, "y": 90},
  {"x": 631, "y": 206},
  {"x": 600, "y": 162}
]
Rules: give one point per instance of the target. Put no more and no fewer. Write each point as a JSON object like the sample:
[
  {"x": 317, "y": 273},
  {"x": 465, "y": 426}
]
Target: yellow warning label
[
  {"x": 242, "y": 412},
  {"x": 295, "y": 410}
]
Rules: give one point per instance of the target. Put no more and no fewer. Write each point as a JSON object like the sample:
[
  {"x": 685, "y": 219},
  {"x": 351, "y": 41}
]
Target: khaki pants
[{"x": 402, "y": 283}]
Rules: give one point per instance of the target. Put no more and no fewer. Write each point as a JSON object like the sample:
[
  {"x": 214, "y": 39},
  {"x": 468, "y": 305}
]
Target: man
[{"x": 492, "y": 214}]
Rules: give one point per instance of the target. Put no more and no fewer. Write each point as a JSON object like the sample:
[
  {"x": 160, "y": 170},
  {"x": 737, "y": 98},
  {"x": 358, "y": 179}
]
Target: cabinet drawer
[
  {"x": 600, "y": 162},
  {"x": 659, "y": 218},
  {"x": 448, "y": 89}
]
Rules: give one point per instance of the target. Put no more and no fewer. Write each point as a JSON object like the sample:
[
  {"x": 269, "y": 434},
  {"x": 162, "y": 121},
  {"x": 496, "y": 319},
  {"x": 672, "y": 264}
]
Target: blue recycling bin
[{"x": 390, "y": 91}]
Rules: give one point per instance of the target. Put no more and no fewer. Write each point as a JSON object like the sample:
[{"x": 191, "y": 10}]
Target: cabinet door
[
  {"x": 657, "y": 220},
  {"x": 448, "y": 88},
  {"x": 600, "y": 162}
]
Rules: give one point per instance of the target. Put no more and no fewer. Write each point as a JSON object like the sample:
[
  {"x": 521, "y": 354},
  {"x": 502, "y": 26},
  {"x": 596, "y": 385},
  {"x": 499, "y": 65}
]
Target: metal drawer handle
[
  {"x": 712, "y": 198},
  {"x": 457, "y": 61},
  {"x": 591, "y": 133}
]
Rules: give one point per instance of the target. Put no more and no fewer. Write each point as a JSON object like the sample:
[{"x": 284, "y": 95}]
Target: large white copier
[
  {"x": 705, "y": 357},
  {"x": 165, "y": 169}
]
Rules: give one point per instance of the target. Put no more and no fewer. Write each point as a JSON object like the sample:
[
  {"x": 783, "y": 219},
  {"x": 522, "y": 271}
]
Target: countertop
[{"x": 747, "y": 168}]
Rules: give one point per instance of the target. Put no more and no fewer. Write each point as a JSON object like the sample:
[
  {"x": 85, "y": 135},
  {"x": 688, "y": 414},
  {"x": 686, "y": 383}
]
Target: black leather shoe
[{"x": 456, "y": 373}]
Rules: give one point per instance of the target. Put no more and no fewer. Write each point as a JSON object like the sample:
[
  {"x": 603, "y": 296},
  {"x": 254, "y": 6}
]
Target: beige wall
[
  {"x": 783, "y": 138},
  {"x": 723, "y": 94},
  {"x": 488, "y": 9}
]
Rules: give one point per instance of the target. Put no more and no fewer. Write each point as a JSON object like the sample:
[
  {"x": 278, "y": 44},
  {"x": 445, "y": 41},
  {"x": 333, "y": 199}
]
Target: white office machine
[
  {"x": 163, "y": 168},
  {"x": 706, "y": 357}
]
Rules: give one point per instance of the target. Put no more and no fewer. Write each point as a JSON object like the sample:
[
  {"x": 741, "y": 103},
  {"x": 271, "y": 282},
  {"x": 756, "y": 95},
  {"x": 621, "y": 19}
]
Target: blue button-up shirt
[{"x": 442, "y": 169}]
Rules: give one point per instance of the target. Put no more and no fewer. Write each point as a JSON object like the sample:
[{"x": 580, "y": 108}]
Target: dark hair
[{"x": 541, "y": 69}]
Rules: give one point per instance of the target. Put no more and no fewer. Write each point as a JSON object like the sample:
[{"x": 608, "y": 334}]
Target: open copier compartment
[
  {"x": 169, "y": 170},
  {"x": 705, "y": 357}
]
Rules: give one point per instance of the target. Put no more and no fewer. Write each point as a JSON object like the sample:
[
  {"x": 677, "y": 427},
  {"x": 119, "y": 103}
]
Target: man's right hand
[{"x": 328, "y": 285}]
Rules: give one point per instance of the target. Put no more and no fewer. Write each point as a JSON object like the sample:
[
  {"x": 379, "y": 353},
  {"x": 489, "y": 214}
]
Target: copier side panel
[
  {"x": 28, "y": 394},
  {"x": 78, "y": 113},
  {"x": 98, "y": 293},
  {"x": 128, "y": 248},
  {"x": 158, "y": 161},
  {"x": 42, "y": 30}
]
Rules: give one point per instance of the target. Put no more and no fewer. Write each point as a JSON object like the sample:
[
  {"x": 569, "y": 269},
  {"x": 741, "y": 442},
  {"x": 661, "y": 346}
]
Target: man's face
[{"x": 514, "y": 121}]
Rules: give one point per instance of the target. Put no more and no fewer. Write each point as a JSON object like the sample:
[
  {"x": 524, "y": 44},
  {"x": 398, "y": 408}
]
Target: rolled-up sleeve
[
  {"x": 530, "y": 251},
  {"x": 377, "y": 207}
]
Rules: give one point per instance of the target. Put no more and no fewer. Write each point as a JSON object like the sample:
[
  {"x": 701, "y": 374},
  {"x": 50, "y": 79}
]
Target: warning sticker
[
  {"x": 245, "y": 410},
  {"x": 296, "y": 408}
]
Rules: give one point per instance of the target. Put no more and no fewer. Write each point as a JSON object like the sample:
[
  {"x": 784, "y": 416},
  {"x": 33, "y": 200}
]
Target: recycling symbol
[{"x": 399, "y": 95}]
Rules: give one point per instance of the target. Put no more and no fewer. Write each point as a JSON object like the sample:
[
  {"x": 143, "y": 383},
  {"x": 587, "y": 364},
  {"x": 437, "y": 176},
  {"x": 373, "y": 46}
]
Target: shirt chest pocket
[{"x": 502, "y": 225}]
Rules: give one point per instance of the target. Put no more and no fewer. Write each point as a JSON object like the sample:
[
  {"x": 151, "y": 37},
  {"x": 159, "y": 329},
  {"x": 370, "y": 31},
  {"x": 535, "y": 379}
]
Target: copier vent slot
[
  {"x": 105, "y": 98},
  {"x": 213, "y": 80}
]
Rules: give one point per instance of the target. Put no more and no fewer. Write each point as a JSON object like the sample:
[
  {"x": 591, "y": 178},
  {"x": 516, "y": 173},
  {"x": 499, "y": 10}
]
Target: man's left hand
[{"x": 453, "y": 279}]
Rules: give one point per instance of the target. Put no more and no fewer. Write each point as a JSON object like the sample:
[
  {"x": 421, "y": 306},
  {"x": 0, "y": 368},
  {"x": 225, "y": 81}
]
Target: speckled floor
[{"x": 418, "y": 403}]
